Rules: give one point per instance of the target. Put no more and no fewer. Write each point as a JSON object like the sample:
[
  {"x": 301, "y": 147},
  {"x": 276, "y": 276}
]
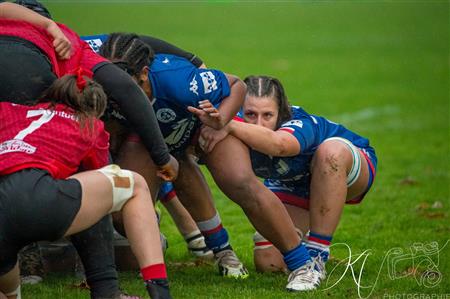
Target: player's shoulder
[
  {"x": 168, "y": 62},
  {"x": 298, "y": 119},
  {"x": 95, "y": 41}
]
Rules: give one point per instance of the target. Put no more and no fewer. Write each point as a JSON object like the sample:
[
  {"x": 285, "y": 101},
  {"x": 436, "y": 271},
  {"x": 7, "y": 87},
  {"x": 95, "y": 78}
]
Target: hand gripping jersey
[
  {"x": 176, "y": 83},
  {"x": 50, "y": 139},
  {"x": 82, "y": 55},
  {"x": 292, "y": 175}
]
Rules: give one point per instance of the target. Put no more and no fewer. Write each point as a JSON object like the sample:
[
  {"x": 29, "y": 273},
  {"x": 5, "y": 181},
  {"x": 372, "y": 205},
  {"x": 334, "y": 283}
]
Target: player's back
[
  {"x": 48, "y": 138},
  {"x": 81, "y": 53}
]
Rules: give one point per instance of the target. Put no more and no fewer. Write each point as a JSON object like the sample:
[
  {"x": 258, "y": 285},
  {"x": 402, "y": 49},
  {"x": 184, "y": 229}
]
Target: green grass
[{"x": 381, "y": 68}]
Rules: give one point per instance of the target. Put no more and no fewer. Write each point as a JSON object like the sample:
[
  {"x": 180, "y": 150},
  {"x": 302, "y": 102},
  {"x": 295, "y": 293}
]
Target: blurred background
[{"x": 381, "y": 68}]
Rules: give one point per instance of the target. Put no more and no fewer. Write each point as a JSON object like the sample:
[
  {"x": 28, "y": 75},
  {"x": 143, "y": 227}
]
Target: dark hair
[
  {"x": 265, "y": 86},
  {"x": 35, "y": 6},
  {"x": 88, "y": 104},
  {"x": 127, "y": 51}
]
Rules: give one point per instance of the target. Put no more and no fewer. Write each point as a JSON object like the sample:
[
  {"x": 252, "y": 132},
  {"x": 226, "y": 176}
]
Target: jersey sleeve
[
  {"x": 303, "y": 131},
  {"x": 98, "y": 155},
  {"x": 89, "y": 59},
  {"x": 211, "y": 85}
]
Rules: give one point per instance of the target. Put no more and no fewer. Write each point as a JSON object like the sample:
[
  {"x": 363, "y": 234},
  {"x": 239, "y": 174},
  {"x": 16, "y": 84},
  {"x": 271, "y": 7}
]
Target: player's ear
[{"x": 143, "y": 75}]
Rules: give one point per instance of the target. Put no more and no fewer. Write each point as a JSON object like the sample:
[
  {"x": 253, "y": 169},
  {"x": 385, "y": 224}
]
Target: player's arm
[
  {"x": 278, "y": 143},
  {"x": 136, "y": 108},
  {"x": 17, "y": 12},
  {"x": 230, "y": 105},
  {"x": 217, "y": 118},
  {"x": 160, "y": 46}
]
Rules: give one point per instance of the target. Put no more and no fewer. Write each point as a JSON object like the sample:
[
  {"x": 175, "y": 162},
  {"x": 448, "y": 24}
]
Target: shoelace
[
  {"x": 303, "y": 274},
  {"x": 227, "y": 257},
  {"x": 319, "y": 264}
]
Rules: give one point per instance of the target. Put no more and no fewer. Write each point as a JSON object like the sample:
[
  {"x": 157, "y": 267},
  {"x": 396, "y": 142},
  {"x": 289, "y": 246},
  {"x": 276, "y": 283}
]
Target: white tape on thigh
[
  {"x": 123, "y": 185},
  {"x": 16, "y": 293},
  {"x": 353, "y": 175}
]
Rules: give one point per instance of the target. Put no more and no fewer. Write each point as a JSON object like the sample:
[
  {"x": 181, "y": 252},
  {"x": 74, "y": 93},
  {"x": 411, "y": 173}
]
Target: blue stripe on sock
[
  {"x": 217, "y": 241},
  {"x": 296, "y": 257}
]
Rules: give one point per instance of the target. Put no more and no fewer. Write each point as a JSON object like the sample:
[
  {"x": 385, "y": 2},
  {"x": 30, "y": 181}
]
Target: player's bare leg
[
  {"x": 268, "y": 258},
  {"x": 331, "y": 167},
  {"x": 194, "y": 193},
  {"x": 139, "y": 220},
  {"x": 187, "y": 228},
  {"x": 229, "y": 164},
  {"x": 10, "y": 283}
]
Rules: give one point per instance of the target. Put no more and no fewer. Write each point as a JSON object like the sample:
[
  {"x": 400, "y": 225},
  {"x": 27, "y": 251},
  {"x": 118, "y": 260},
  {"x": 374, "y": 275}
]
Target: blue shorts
[{"x": 297, "y": 193}]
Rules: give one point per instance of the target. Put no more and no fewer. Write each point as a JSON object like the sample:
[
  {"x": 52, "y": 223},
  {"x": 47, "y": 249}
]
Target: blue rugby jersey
[
  {"x": 292, "y": 174},
  {"x": 176, "y": 84}
]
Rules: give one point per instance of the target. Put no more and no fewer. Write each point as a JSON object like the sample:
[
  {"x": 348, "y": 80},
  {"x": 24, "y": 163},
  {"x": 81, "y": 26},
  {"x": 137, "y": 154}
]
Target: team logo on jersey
[
  {"x": 209, "y": 81},
  {"x": 166, "y": 60},
  {"x": 165, "y": 115},
  {"x": 95, "y": 44},
  {"x": 194, "y": 86},
  {"x": 181, "y": 131},
  {"x": 294, "y": 122}
]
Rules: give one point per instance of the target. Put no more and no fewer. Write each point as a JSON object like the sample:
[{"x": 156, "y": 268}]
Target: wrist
[
  {"x": 230, "y": 127},
  {"x": 48, "y": 24}
]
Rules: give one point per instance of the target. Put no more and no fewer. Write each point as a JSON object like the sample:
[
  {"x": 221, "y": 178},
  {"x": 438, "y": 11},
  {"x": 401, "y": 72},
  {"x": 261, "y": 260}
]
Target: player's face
[{"x": 261, "y": 111}]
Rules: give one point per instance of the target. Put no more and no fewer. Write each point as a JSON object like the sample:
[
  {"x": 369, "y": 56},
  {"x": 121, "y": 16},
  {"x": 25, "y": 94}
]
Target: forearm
[
  {"x": 256, "y": 137},
  {"x": 136, "y": 108},
  {"x": 18, "y": 12},
  {"x": 231, "y": 104}
]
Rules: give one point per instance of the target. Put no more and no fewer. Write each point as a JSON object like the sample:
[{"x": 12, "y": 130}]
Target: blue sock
[
  {"x": 217, "y": 241},
  {"x": 296, "y": 257},
  {"x": 216, "y": 237},
  {"x": 319, "y": 245}
]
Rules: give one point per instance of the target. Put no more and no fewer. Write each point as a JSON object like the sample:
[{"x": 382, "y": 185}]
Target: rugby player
[
  {"x": 229, "y": 162},
  {"x": 29, "y": 64},
  {"x": 173, "y": 83},
  {"x": 313, "y": 165},
  {"x": 41, "y": 147}
]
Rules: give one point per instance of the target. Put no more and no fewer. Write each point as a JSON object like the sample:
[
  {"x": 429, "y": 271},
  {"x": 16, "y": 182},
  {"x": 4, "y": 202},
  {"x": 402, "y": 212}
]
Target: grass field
[{"x": 380, "y": 68}]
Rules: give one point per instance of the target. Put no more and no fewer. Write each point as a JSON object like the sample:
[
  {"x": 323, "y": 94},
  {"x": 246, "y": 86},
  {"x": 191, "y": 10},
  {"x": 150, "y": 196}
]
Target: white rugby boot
[
  {"x": 305, "y": 278},
  {"x": 229, "y": 265}
]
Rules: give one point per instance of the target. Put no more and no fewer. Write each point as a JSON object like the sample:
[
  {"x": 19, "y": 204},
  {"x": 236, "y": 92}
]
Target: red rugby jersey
[
  {"x": 82, "y": 55},
  {"x": 50, "y": 139}
]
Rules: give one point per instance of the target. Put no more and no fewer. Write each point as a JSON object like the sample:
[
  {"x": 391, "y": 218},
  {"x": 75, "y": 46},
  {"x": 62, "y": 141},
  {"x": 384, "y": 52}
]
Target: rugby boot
[
  {"x": 158, "y": 288},
  {"x": 305, "y": 278},
  {"x": 229, "y": 265}
]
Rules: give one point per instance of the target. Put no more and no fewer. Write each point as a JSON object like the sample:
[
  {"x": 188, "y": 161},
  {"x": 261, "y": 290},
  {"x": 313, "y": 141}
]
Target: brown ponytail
[{"x": 88, "y": 103}]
